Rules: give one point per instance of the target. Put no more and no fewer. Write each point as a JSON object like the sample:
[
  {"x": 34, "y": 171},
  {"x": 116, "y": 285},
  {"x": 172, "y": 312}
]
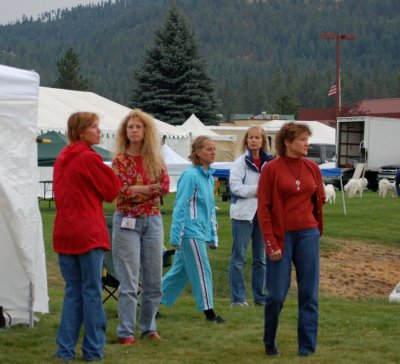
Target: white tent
[
  {"x": 56, "y": 105},
  {"x": 177, "y": 164},
  {"x": 23, "y": 280},
  {"x": 194, "y": 126},
  {"x": 225, "y": 144},
  {"x": 321, "y": 133}
]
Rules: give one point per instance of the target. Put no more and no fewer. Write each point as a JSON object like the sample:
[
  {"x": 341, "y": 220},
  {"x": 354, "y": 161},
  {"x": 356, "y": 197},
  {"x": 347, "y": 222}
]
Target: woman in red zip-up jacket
[
  {"x": 81, "y": 183},
  {"x": 290, "y": 199}
]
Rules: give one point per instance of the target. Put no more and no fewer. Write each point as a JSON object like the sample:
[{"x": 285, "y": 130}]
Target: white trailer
[{"x": 371, "y": 140}]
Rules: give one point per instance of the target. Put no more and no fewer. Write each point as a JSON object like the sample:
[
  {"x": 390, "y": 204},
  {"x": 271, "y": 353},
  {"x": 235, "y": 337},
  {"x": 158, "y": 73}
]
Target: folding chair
[
  {"x": 109, "y": 281},
  {"x": 359, "y": 171}
]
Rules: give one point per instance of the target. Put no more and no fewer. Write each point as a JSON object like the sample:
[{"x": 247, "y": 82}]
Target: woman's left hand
[{"x": 276, "y": 255}]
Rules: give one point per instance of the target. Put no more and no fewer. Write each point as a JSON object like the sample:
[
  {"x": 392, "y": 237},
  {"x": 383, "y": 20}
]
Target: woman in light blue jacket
[
  {"x": 243, "y": 182},
  {"x": 194, "y": 227}
]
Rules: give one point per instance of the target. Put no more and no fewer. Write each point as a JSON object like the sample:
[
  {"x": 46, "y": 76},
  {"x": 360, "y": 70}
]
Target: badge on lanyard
[{"x": 128, "y": 223}]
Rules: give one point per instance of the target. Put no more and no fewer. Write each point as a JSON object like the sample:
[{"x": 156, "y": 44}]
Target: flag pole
[
  {"x": 338, "y": 88},
  {"x": 339, "y": 95},
  {"x": 338, "y": 37}
]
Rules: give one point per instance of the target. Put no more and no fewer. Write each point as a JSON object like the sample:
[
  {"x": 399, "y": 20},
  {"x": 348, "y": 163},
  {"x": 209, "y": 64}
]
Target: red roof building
[
  {"x": 389, "y": 108},
  {"x": 324, "y": 115}
]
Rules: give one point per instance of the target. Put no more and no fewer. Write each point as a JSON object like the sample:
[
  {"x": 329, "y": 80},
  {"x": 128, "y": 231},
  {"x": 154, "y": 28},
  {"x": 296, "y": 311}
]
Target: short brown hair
[
  {"x": 198, "y": 144},
  {"x": 77, "y": 123},
  {"x": 289, "y": 131}
]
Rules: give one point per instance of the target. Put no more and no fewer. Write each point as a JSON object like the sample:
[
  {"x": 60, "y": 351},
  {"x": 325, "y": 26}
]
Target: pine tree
[
  {"x": 284, "y": 105},
  {"x": 173, "y": 82},
  {"x": 68, "y": 69}
]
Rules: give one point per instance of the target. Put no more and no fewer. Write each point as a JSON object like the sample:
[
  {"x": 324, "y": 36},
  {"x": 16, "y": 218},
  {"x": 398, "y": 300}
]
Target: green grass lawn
[{"x": 362, "y": 331}]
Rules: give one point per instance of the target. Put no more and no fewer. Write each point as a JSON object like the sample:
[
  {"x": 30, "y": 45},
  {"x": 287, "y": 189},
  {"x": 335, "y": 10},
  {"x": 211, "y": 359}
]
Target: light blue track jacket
[{"x": 194, "y": 207}]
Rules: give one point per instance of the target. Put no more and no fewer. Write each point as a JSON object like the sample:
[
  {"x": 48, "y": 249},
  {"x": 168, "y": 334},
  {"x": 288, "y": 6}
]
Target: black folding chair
[{"x": 109, "y": 281}]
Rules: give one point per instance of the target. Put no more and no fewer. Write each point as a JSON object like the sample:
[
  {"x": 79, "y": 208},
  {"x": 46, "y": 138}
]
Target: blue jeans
[
  {"x": 397, "y": 183},
  {"x": 135, "y": 252},
  {"x": 242, "y": 232},
  {"x": 301, "y": 248},
  {"x": 82, "y": 305}
]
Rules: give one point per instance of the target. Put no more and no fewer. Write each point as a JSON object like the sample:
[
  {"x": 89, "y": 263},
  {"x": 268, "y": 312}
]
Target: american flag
[{"x": 332, "y": 91}]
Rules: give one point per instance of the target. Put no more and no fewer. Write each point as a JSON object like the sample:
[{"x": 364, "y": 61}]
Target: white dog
[
  {"x": 355, "y": 186},
  {"x": 385, "y": 187},
  {"x": 330, "y": 193}
]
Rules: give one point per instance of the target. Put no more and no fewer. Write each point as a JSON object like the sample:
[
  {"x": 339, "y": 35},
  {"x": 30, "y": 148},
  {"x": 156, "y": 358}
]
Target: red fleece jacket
[{"x": 81, "y": 182}]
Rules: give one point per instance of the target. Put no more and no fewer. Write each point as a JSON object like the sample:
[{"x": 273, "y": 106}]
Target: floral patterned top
[{"x": 132, "y": 172}]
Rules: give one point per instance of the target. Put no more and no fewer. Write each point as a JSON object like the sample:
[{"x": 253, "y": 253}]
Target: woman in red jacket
[
  {"x": 81, "y": 183},
  {"x": 290, "y": 198}
]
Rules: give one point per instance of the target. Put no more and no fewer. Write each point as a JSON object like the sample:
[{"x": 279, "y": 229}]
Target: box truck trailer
[{"x": 374, "y": 141}]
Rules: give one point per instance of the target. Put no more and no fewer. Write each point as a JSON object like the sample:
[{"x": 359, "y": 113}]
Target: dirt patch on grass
[{"x": 359, "y": 270}]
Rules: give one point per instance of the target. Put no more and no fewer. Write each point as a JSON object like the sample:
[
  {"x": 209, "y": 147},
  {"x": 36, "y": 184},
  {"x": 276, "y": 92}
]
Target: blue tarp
[
  {"x": 221, "y": 173},
  {"x": 331, "y": 172}
]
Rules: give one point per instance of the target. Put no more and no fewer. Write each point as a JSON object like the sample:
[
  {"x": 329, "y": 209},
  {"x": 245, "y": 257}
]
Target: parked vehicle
[
  {"x": 388, "y": 172},
  {"x": 371, "y": 140},
  {"x": 322, "y": 153}
]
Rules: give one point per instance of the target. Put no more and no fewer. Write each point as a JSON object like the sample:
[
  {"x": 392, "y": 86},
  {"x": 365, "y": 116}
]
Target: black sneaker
[
  {"x": 271, "y": 350},
  {"x": 217, "y": 320}
]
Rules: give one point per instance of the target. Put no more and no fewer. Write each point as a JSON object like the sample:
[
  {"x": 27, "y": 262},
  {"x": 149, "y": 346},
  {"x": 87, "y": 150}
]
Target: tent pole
[
  {"x": 343, "y": 201},
  {"x": 30, "y": 305}
]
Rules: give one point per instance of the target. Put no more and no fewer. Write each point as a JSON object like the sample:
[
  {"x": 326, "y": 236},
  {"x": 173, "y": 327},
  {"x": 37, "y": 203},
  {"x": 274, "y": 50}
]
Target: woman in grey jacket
[{"x": 243, "y": 182}]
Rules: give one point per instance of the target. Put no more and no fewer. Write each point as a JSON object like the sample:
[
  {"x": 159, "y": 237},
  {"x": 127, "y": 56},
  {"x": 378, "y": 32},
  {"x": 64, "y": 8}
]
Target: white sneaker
[{"x": 239, "y": 304}]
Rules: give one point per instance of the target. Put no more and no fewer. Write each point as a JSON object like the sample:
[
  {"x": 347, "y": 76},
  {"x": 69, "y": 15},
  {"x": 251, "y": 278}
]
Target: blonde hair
[
  {"x": 264, "y": 145},
  {"x": 289, "y": 132},
  {"x": 77, "y": 123},
  {"x": 151, "y": 151},
  {"x": 198, "y": 144}
]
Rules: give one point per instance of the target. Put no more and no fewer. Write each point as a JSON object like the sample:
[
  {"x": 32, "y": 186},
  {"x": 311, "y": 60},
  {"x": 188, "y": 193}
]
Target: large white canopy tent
[
  {"x": 225, "y": 144},
  {"x": 23, "y": 280},
  {"x": 56, "y": 105}
]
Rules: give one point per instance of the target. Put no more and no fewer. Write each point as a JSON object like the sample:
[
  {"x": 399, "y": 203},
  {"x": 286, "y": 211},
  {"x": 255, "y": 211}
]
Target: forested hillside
[{"x": 256, "y": 51}]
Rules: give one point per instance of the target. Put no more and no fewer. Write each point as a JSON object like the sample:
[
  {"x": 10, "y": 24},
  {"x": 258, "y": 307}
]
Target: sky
[{"x": 11, "y": 10}]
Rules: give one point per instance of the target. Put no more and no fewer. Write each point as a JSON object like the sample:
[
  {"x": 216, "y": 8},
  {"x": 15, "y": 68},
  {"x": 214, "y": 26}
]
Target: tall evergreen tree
[
  {"x": 173, "y": 82},
  {"x": 68, "y": 69},
  {"x": 284, "y": 105}
]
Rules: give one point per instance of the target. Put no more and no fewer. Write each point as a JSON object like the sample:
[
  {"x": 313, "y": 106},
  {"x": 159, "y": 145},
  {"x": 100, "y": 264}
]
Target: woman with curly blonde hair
[
  {"x": 138, "y": 235},
  {"x": 150, "y": 150}
]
